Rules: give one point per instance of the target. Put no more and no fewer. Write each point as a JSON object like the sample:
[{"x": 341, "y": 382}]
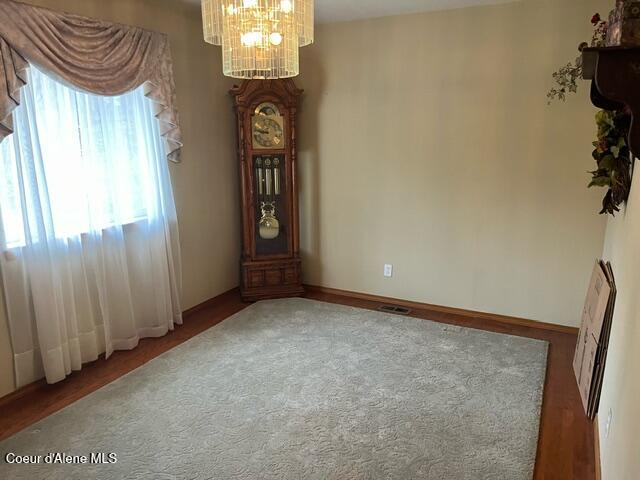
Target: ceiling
[
  {"x": 341, "y": 10},
  {"x": 344, "y": 10}
]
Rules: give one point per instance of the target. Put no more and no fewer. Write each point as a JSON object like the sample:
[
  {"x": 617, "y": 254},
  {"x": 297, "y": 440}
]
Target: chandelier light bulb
[
  {"x": 286, "y": 6},
  {"x": 259, "y": 38},
  {"x": 275, "y": 38},
  {"x": 250, "y": 39}
]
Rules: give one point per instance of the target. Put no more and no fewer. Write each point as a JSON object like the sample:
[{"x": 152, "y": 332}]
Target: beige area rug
[{"x": 293, "y": 389}]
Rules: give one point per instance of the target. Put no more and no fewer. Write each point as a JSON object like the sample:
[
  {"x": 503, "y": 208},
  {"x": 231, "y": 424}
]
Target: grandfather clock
[{"x": 270, "y": 265}]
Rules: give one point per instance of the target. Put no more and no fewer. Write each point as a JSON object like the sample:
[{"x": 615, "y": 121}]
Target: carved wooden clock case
[{"x": 270, "y": 265}]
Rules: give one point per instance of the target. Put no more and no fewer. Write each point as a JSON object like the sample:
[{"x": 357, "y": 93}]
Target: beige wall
[
  {"x": 621, "y": 389},
  {"x": 205, "y": 184},
  {"x": 426, "y": 142}
]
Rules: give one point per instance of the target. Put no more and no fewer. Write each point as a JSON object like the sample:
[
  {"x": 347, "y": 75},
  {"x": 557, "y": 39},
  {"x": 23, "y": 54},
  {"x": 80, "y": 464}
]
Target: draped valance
[{"x": 91, "y": 55}]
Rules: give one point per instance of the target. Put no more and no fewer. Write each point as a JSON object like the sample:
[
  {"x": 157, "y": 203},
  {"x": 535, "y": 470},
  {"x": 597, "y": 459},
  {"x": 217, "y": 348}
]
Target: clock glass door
[{"x": 271, "y": 209}]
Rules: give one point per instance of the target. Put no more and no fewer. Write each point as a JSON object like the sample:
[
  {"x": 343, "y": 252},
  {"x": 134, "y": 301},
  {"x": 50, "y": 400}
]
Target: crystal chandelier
[{"x": 259, "y": 38}]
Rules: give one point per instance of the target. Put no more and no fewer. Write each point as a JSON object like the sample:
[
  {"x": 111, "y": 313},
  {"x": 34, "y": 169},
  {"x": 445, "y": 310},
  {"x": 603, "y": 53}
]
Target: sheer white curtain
[{"x": 88, "y": 233}]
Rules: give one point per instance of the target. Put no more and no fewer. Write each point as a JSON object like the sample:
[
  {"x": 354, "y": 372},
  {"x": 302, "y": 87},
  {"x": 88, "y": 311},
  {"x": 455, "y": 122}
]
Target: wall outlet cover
[{"x": 388, "y": 270}]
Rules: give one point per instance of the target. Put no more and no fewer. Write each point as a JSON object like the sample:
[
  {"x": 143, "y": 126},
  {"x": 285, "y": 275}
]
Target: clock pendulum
[{"x": 268, "y": 226}]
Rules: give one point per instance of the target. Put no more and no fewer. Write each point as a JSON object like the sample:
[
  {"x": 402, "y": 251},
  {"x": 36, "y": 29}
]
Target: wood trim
[
  {"x": 21, "y": 392},
  {"x": 34, "y": 387},
  {"x": 450, "y": 310},
  {"x": 212, "y": 302},
  {"x": 596, "y": 448}
]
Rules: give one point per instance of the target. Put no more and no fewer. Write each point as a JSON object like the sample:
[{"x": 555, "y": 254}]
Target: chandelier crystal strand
[{"x": 259, "y": 38}]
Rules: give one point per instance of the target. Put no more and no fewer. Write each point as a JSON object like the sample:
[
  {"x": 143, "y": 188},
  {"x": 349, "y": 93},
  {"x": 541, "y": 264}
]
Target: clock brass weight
[{"x": 270, "y": 264}]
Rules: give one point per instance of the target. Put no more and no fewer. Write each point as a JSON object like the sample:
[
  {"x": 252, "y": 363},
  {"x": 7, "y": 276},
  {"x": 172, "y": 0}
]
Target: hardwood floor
[{"x": 566, "y": 442}]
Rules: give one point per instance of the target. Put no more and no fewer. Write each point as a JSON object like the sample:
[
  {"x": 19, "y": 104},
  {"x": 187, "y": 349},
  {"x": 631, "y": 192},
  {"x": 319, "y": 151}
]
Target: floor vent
[{"x": 394, "y": 309}]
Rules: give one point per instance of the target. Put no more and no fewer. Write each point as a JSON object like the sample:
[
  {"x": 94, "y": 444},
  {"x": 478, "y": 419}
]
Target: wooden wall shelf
[{"x": 615, "y": 76}]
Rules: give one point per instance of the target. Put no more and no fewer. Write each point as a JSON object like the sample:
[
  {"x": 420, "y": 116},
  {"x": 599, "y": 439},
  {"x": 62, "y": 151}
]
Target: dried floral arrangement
[
  {"x": 612, "y": 155},
  {"x": 566, "y": 77}
]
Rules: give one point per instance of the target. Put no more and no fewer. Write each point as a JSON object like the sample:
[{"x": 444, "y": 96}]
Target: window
[{"x": 77, "y": 163}]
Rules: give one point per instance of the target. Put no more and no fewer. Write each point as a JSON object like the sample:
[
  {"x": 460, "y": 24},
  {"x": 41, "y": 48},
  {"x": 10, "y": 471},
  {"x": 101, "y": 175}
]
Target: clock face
[{"x": 267, "y": 132}]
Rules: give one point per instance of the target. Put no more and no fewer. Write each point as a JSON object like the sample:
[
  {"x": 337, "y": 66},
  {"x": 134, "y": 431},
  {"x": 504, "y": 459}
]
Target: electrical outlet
[
  {"x": 607, "y": 428},
  {"x": 388, "y": 270}
]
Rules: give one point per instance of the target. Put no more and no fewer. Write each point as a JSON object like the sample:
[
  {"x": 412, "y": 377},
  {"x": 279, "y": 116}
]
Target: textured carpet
[{"x": 293, "y": 389}]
